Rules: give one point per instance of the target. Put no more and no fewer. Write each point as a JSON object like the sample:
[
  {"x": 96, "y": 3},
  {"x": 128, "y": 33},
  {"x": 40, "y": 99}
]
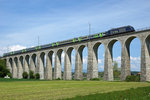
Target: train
[{"x": 114, "y": 31}]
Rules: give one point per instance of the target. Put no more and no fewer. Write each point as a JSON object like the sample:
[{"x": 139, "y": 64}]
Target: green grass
[
  {"x": 141, "y": 93},
  {"x": 39, "y": 90}
]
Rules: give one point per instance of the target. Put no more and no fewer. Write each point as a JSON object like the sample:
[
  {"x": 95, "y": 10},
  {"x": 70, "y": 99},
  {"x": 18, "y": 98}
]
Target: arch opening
[
  {"x": 71, "y": 61},
  {"x": 16, "y": 61},
  {"x": 51, "y": 63},
  {"x": 10, "y": 62},
  {"x": 34, "y": 58},
  {"x": 99, "y": 52},
  {"x": 133, "y": 46},
  {"x": 148, "y": 44},
  {"x": 27, "y": 59},
  {"x": 21, "y": 61},
  {"x": 83, "y": 56},
  {"x": 43, "y": 59},
  {"x": 116, "y": 56}
]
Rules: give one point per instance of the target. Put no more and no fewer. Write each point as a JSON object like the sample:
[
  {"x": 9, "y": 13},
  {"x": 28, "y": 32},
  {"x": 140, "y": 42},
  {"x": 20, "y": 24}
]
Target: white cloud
[
  {"x": 100, "y": 61},
  {"x": 11, "y": 48}
]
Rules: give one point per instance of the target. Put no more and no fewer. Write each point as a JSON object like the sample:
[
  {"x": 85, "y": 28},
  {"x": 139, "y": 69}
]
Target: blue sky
[{"x": 22, "y": 21}]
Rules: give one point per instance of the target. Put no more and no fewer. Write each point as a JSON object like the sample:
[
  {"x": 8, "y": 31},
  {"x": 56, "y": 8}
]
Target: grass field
[{"x": 41, "y": 90}]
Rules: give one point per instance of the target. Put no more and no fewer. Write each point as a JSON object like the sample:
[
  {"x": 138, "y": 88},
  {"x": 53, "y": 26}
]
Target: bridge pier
[
  {"x": 67, "y": 65},
  {"x": 40, "y": 65},
  {"x": 145, "y": 59},
  {"x": 78, "y": 65},
  {"x": 19, "y": 70},
  {"x": 32, "y": 63},
  {"x": 14, "y": 69},
  {"x": 92, "y": 66},
  {"x": 26, "y": 64},
  {"x": 108, "y": 68},
  {"x": 9, "y": 64},
  {"x": 48, "y": 69},
  {"x": 57, "y": 67},
  {"x": 125, "y": 62}
]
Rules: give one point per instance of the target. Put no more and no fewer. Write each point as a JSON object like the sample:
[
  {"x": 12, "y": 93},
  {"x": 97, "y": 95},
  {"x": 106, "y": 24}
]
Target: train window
[
  {"x": 114, "y": 32},
  {"x": 122, "y": 30}
]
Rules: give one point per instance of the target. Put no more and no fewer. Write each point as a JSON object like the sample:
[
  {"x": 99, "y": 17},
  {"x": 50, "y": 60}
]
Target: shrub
[
  {"x": 133, "y": 78},
  {"x": 58, "y": 79},
  {"x": 31, "y": 74},
  {"x": 9, "y": 75},
  {"x": 37, "y": 76},
  {"x": 3, "y": 69},
  {"x": 25, "y": 75},
  {"x": 95, "y": 79}
]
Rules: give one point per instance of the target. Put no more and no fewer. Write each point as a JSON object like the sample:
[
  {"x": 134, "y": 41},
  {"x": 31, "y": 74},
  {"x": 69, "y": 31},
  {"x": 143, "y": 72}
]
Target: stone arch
[
  {"x": 33, "y": 63},
  {"x": 42, "y": 65},
  {"x": 58, "y": 66},
  {"x": 26, "y": 63},
  {"x": 111, "y": 44},
  {"x": 128, "y": 55},
  {"x": 14, "y": 70},
  {"x": 95, "y": 59},
  {"x": 49, "y": 72},
  {"x": 20, "y": 67},
  {"x": 147, "y": 40},
  {"x": 11, "y": 62},
  {"x": 68, "y": 64},
  {"x": 79, "y": 63},
  {"x": 16, "y": 61},
  {"x": 108, "y": 67},
  {"x": 43, "y": 59},
  {"x": 21, "y": 61}
]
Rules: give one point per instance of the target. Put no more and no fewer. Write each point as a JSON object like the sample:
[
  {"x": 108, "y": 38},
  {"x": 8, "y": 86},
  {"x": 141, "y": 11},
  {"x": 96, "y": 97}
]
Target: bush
[
  {"x": 3, "y": 70},
  {"x": 133, "y": 78},
  {"x": 95, "y": 79},
  {"x": 9, "y": 75},
  {"x": 58, "y": 79},
  {"x": 37, "y": 76},
  {"x": 25, "y": 75},
  {"x": 31, "y": 74}
]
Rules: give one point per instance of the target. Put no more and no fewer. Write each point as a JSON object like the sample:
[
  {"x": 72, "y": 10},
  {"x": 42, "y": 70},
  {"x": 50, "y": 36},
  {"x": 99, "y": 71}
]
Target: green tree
[
  {"x": 116, "y": 70},
  {"x": 31, "y": 74},
  {"x": 3, "y": 69},
  {"x": 115, "y": 65},
  {"x": 25, "y": 75},
  {"x": 37, "y": 76}
]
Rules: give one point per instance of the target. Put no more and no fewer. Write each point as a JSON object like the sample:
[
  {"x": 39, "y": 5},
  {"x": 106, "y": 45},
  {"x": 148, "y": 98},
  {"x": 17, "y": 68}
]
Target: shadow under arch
[
  {"x": 21, "y": 61},
  {"x": 10, "y": 64},
  {"x": 33, "y": 63}
]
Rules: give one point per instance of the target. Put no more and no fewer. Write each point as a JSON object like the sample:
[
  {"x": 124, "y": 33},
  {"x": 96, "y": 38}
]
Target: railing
[{"x": 142, "y": 29}]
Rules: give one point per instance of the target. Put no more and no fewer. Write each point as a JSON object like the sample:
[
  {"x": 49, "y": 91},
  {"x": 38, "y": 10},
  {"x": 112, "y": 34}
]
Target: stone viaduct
[{"x": 35, "y": 60}]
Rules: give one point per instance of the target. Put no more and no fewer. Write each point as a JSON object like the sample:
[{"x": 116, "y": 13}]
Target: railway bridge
[{"x": 26, "y": 61}]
